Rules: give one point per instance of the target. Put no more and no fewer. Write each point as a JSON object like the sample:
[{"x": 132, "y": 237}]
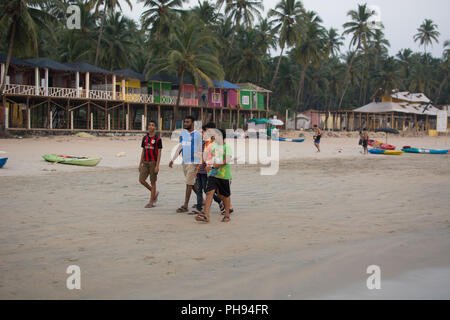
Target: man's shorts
[
  {"x": 148, "y": 168},
  {"x": 189, "y": 170},
  {"x": 221, "y": 185}
]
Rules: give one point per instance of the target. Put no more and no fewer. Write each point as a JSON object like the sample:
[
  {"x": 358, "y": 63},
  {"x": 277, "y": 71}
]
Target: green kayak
[{"x": 79, "y": 161}]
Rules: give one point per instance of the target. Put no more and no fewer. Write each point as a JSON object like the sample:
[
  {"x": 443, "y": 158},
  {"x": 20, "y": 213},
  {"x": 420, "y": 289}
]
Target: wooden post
[
  {"x": 109, "y": 122},
  {"x": 237, "y": 120},
  {"x": 231, "y": 118},
  {"x": 427, "y": 126},
  {"x": 6, "y": 113},
  {"x": 87, "y": 85},
  {"x": 88, "y": 114},
  {"x": 77, "y": 83},
  {"x": 145, "y": 116},
  {"x": 92, "y": 121},
  {"x": 123, "y": 89},
  {"x": 71, "y": 120},
  {"x": 127, "y": 124},
  {"x": 221, "y": 115},
  {"x": 142, "y": 122},
  {"x": 28, "y": 117},
  {"x": 159, "y": 117},
  {"x": 36, "y": 80},
  {"x": 114, "y": 86},
  {"x": 286, "y": 119},
  {"x": 415, "y": 123},
  {"x": 46, "y": 81}
]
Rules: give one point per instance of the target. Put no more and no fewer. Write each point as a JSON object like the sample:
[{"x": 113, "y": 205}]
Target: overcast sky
[{"x": 401, "y": 18}]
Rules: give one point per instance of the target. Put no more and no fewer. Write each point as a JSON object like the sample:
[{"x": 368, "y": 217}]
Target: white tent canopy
[{"x": 383, "y": 107}]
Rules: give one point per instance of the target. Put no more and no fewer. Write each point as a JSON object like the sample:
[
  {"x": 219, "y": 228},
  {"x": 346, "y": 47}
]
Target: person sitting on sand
[
  {"x": 149, "y": 164},
  {"x": 317, "y": 136},
  {"x": 219, "y": 176},
  {"x": 365, "y": 140},
  {"x": 190, "y": 149}
]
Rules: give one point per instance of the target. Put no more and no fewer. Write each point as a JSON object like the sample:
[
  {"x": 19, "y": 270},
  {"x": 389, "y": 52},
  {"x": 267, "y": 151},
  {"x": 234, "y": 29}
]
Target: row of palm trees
[{"x": 231, "y": 39}]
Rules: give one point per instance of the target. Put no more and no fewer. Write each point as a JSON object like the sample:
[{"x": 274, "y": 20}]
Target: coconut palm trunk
[
  {"x": 8, "y": 58},
  {"x": 347, "y": 74},
  {"x": 100, "y": 35},
  {"x": 277, "y": 68},
  {"x": 177, "y": 104},
  {"x": 300, "y": 86},
  {"x": 441, "y": 86}
]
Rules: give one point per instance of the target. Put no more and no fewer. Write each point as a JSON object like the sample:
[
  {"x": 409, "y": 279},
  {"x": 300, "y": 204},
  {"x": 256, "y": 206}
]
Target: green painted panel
[
  {"x": 260, "y": 101},
  {"x": 246, "y": 99}
]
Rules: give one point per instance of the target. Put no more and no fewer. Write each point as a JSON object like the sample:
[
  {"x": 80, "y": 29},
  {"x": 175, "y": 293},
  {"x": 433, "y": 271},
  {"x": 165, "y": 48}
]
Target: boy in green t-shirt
[{"x": 219, "y": 176}]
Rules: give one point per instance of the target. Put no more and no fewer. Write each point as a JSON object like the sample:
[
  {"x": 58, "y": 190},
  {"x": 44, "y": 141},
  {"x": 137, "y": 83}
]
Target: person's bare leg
[
  {"x": 227, "y": 207},
  {"x": 188, "y": 195},
  {"x": 145, "y": 184},
  {"x": 153, "y": 193},
  {"x": 223, "y": 199},
  {"x": 209, "y": 199}
]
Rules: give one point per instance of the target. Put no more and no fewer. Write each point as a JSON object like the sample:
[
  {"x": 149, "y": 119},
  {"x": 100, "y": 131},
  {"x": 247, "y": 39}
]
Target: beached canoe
[
  {"x": 424, "y": 150},
  {"x": 380, "y": 145},
  {"x": 388, "y": 152},
  {"x": 3, "y": 162},
  {"x": 289, "y": 140},
  {"x": 78, "y": 161}
]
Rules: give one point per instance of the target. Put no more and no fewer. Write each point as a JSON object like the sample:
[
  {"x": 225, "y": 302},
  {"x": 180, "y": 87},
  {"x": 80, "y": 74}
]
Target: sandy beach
[{"x": 308, "y": 232}]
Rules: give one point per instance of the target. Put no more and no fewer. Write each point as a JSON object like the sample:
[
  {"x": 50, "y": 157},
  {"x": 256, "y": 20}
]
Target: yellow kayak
[{"x": 393, "y": 152}]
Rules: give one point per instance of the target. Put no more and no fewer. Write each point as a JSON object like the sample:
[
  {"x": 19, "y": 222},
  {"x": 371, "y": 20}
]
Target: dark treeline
[{"x": 231, "y": 39}]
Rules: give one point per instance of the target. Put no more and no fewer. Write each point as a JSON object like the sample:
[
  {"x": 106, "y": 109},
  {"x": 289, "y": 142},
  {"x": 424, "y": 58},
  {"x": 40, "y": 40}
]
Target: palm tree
[
  {"x": 426, "y": 34},
  {"x": 108, "y": 6},
  {"x": 361, "y": 33},
  {"x": 285, "y": 16},
  {"x": 117, "y": 39},
  {"x": 206, "y": 12},
  {"x": 389, "y": 77},
  {"x": 21, "y": 20},
  {"x": 242, "y": 12},
  {"x": 247, "y": 60},
  {"x": 334, "y": 42},
  {"x": 190, "y": 53},
  {"x": 159, "y": 15},
  {"x": 310, "y": 48},
  {"x": 445, "y": 66}
]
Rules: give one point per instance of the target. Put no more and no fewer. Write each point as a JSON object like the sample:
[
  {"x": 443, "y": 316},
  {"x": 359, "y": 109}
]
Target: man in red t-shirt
[{"x": 149, "y": 164}]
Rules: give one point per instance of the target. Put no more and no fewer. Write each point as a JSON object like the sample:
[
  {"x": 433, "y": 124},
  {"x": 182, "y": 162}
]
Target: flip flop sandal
[
  {"x": 149, "y": 205},
  {"x": 182, "y": 209},
  {"x": 221, "y": 206},
  {"x": 226, "y": 219},
  {"x": 202, "y": 218},
  {"x": 193, "y": 212},
  {"x": 231, "y": 211},
  {"x": 156, "y": 196}
]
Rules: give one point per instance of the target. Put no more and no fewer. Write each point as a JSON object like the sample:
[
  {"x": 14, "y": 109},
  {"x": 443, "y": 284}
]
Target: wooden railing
[{"x": 19, "y": 89}]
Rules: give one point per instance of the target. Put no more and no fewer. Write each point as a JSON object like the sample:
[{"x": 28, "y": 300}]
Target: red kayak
[{"x": 380, "y": 145}]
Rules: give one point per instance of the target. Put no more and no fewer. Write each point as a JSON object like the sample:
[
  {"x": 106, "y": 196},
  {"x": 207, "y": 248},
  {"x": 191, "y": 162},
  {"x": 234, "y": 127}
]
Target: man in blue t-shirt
[{"x": 191, "y": 151}]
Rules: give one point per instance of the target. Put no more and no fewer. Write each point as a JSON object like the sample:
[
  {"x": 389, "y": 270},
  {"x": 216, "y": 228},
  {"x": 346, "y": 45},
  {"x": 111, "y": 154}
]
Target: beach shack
[{"x": 252, "y": 97}]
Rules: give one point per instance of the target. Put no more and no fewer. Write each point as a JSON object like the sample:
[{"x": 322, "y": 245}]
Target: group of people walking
[{"x": 206, "y": 159}]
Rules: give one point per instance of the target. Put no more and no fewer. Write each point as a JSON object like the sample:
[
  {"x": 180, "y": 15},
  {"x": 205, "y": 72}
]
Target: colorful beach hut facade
[
  {"x": 42, "y": 94},
  {"x": 251, "y": 96}
]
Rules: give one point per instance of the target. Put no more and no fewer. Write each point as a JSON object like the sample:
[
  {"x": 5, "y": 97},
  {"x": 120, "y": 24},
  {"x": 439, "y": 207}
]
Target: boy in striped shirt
[{"x": 149, "y": 164}]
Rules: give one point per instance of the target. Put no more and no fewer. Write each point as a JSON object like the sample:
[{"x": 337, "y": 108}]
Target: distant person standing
[
  {"x": 317, "y": 136},
  {"x": 365, "y": 140},
  {"x": 149, "y": 164},
  {"x": 190, "y": 148}
]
